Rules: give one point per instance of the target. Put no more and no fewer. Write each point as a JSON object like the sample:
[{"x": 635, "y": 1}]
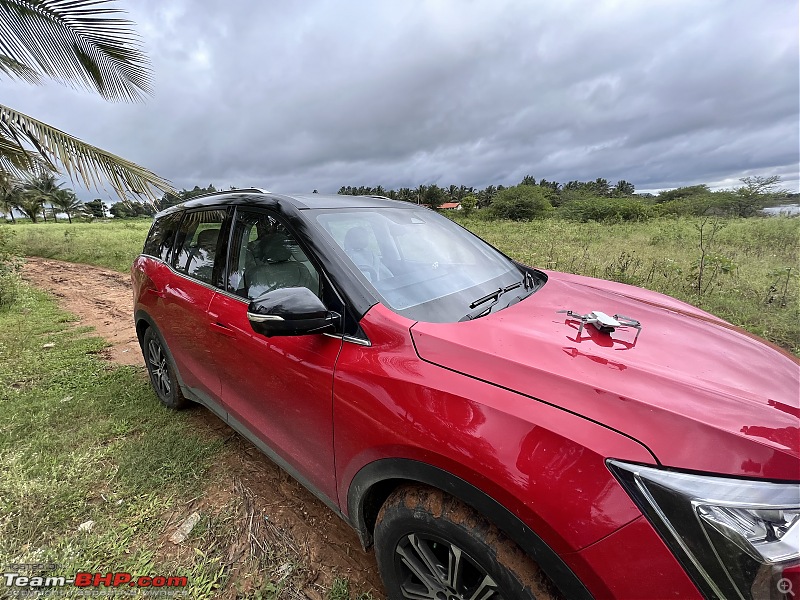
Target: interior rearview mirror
[{"x": 291, "y": 311}]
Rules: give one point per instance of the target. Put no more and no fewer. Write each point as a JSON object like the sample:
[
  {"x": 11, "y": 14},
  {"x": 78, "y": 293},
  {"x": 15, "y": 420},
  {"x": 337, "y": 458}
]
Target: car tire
[
  {"x": 162, "y": 371},
  {"x": 430, "y": 545}
]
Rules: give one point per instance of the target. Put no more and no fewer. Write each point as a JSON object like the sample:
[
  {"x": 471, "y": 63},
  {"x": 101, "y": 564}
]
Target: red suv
[{"x": 493, "y": 429}]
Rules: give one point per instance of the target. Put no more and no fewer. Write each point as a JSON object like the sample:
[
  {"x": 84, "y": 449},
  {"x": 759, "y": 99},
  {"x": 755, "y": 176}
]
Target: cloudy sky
[{"x": 293, "y": 96}]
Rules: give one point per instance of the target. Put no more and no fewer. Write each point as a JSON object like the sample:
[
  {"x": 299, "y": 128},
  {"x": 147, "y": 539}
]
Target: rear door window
[
  {"x": 199, "y": 243},
  {"x": 162, "y": 236}
]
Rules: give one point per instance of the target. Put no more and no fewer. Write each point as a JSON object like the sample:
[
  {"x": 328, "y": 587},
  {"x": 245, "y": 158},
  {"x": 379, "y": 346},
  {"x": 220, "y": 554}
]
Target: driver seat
[
  {"x": 356, "y": 246},
  {"x": 275, "y": 267}
]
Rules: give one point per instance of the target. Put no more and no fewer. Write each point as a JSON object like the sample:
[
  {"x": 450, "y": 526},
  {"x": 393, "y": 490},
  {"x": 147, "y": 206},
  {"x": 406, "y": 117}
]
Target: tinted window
[
  {"x": 162, "y": 235},
  {"x": 265, "y": 256},
  {"x": 198, "y": 240}
]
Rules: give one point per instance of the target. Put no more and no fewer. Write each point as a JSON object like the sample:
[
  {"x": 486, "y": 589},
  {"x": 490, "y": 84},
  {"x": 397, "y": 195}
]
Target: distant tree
[
  {"x": 464, "y": 191},
  {"x": 761, "y": 185},
  {"x": 170, "y": 199},
  {"x": 44, "y": 186},
  {"x": 10, "y": 191},
  {"x": 682, "y": 193},
  {"x": 405, "y": 194},
  {"x": 434, "y": 196},
  {"x": 29, "y": 203},
  {"x": 520, "y": 203},
  {"x": 452, "y": 193},
  {"x": 528, "y": 180},
  {"x": 96, "y": 208},
  {"x": 754, "y": 194},
  {"x": 623, "y": 188},
  {"x": 119, "y": 210},
  {"x": 553, "y": 185},
  {"x": 486, "y": 196},
  {"x": 468, "y": 205},
  {"x": 67, "y": 202}
]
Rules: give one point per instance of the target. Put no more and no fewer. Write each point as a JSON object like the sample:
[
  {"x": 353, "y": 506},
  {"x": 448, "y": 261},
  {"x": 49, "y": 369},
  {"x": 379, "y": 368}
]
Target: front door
[{"x": 280, "y": 388}]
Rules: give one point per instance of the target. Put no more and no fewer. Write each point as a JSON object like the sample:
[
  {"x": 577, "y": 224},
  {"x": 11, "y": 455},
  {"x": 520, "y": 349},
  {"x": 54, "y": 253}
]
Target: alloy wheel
[
  {"x": 432, "y": 568},
  {"x": 159, "y": 369}
]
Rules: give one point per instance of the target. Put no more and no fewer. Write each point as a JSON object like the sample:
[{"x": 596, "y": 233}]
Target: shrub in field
[
  {"x": 468, "y": 205},
  {"x": 697, "y": 205},
  {"x": 520, "y": 203},
  {"x": 10, "y": 265},
  {"x": 605, "y": 209}
]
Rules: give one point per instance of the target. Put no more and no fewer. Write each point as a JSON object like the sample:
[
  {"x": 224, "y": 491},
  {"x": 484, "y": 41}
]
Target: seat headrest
[
  {"x": 356, "y": 238},
  {"x": 207, "y": 239},
  {"x": 275, "y": 247}
]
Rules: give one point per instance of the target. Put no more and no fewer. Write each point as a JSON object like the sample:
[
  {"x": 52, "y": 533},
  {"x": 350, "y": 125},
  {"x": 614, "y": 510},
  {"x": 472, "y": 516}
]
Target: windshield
[{"x": 424, "y": 266}]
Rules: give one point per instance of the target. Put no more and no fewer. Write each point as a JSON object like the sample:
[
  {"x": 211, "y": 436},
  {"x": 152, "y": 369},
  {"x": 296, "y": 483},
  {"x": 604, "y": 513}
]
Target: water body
[{"x": 783, "y": 210}]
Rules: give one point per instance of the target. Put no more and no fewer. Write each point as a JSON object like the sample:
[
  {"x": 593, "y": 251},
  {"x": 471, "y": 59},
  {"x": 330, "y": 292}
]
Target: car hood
[{"x": 700, "y": 393}]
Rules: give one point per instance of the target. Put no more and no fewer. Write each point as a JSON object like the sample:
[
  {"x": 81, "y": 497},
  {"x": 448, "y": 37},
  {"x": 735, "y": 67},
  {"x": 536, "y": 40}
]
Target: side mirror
[{"x": 290, "y": 311}]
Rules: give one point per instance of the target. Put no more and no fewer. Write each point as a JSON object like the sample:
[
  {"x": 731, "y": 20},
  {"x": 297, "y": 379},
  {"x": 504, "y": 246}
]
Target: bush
[
  {"x": 606, "y": 209},
  {"x": 10, "y": 265},
  {"x": 520, "y": 203},
  {"x": 716, "y": 203}
]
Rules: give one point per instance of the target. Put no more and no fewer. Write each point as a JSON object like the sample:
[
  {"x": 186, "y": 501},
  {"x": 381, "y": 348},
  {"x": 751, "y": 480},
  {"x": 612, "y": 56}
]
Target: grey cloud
[{"x": 323, "y": 94}]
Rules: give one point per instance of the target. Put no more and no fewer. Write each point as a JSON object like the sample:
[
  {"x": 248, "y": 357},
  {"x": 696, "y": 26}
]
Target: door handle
[
  {"x": 223, "y": 329},
  {"x": 156, "y": 292}
]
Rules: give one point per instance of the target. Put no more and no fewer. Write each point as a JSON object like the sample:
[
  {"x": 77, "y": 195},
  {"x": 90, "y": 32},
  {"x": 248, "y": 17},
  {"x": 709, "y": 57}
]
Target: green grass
[
  {"x": 81, "y": 440},
  {"x": 750, "y": 273},
  {"x": 110, "y": 244}
]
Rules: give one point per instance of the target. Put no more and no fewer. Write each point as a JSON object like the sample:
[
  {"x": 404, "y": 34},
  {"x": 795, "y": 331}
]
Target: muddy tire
[
  {"x": 162, "y": 371},
  {"x": 430, "y": 545}
]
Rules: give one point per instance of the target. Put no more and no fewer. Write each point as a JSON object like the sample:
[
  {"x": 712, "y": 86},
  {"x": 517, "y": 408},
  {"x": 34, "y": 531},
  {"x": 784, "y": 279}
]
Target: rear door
[
  {"x": 198, "y": 263},
  {"x": 280, "y": 388}
]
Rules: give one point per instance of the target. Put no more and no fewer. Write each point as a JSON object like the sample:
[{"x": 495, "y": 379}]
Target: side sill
[{"x": 239, "y": 428}]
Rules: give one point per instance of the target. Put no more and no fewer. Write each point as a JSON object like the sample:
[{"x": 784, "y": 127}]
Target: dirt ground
[{"x": 103, "y": 299}]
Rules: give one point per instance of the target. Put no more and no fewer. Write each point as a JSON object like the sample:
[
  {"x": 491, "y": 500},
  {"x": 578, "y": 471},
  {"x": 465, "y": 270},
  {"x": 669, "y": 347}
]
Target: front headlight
[{"x": 737, "y": 538}]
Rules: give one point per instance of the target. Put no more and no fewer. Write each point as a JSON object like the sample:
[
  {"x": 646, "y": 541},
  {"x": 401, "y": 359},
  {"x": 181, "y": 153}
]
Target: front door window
[{"x": 265, "y": 256}]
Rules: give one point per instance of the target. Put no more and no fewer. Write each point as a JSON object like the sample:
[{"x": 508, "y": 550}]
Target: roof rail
[
  {"x": 251, "y": 190},
  {"x": 375, "y": 196}
]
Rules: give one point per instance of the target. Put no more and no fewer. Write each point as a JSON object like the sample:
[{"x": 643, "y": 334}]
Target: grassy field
[
  {"x": 749, "y": 273},
  {"x": 81, "y": 441}
]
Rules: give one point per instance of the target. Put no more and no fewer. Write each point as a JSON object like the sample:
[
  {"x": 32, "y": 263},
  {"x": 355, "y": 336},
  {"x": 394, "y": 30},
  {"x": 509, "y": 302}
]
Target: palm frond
[
  {"x": 83, "y": 42},
  {"x": 14, "y": 68},
  {"x": 15, "y": 160},
  {"x": 89, "y": 164}
]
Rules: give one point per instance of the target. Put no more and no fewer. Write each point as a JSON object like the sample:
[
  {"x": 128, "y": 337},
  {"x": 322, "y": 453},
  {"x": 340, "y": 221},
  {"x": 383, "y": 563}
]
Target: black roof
[{"x": 253, "y": 197}]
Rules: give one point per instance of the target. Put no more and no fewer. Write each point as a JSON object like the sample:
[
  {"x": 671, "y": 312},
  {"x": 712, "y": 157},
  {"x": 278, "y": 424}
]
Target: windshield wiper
[{"x": 495, "y": 295}]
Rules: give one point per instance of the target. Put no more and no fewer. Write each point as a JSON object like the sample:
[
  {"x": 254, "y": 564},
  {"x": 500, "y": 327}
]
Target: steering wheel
[{"x": 369, "y": 270}]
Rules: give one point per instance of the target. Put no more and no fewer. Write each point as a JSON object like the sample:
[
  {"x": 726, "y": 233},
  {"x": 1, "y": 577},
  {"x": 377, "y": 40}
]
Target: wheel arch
[
  {"x": 142, "y": 321},
  {"x": 372, "y": 485}
]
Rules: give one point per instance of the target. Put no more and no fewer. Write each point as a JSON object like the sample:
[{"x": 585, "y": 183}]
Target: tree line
[
  {"x": 31, "y": 197},
  {"x": 434, "y": 196},
  {"x": 596, "y": 200},
  {"x": 42, "y": 197}
]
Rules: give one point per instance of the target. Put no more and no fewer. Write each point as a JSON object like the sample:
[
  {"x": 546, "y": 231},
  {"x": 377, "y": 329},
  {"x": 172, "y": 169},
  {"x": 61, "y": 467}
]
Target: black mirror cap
[{"x": 291, "y": 311}]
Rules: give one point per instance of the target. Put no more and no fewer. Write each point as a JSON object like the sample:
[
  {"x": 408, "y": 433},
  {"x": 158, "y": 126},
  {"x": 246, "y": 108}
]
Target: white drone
[{"x": 603, "y": 323}]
